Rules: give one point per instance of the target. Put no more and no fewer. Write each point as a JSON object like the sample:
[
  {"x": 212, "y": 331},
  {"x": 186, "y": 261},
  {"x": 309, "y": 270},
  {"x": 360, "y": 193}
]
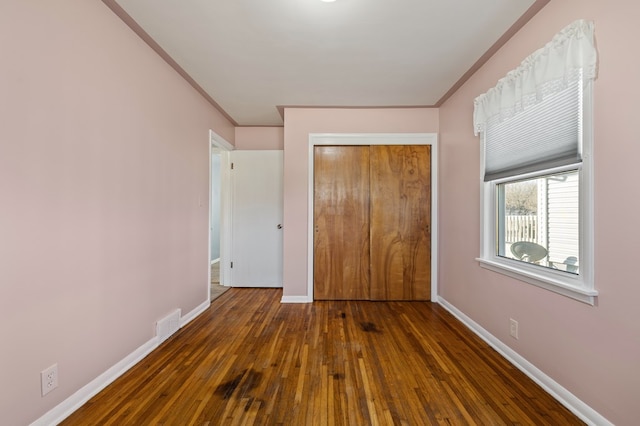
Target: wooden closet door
[
  {"x": 341, "y": 222},
  {"x": 400, "y": 222}
]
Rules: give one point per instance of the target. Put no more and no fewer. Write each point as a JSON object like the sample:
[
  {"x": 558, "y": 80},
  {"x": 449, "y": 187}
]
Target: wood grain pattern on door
[
  {"x": 400, "y": 189},
  {"x": 341, "y": 222}
]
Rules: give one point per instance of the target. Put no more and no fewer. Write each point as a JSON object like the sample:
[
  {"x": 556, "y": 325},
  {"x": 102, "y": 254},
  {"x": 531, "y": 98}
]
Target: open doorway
[
  {"x": 214, "y": 224},
  {"x": 219, "y": 214}
]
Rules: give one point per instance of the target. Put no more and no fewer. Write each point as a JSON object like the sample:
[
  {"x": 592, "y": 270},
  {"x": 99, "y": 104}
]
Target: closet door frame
[{"x": 316, "y": 139}]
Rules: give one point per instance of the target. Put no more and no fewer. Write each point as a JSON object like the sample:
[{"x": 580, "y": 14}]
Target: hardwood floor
[{"x": 251, "y": 360}]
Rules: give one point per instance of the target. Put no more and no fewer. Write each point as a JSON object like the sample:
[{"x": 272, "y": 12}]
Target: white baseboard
[
  {"x": 214, "y": 261},
  {"x": 296, "y": 299},
  {"x": 566, "y": 398},
  {"x": 186, "y": 319},
  {"x": 63, "y": 410}
]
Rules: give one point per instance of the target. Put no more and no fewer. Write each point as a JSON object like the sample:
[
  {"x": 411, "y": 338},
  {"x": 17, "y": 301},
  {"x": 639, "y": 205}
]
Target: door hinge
[
  {"x": 232, "y": 264},
  {"x": 231, "y": 166}
]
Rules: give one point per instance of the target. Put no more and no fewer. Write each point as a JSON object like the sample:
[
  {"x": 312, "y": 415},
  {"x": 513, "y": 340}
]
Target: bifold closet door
[
  {"x": 400, "y": 197},
  {"x": 341, "y": 223},
  {"x": 372, "y": 222}
]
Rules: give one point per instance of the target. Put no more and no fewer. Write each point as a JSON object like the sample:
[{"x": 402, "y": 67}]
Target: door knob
[{"x": 279, "y": 226}]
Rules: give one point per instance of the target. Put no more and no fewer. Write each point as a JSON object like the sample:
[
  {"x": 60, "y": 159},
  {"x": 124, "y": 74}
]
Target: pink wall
[
  {"x": 104, "y": 195},
  {"x": 594, "y": 352},
  {"x": 299, "y": 123},
  {"x": 260, "y": 138}
]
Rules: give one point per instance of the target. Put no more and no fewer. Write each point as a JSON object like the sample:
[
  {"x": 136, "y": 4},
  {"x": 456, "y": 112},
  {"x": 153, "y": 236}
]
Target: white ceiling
[{"x": 252, "y": 56}]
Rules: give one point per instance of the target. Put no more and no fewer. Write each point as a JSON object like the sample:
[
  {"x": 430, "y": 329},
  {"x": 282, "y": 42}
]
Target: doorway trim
[
  {"x": 217, "y": 142},
  {"x": 316, "y": 139}
]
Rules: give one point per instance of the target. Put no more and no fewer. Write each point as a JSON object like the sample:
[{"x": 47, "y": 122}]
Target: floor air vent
[{"x": 168, "y": 325}]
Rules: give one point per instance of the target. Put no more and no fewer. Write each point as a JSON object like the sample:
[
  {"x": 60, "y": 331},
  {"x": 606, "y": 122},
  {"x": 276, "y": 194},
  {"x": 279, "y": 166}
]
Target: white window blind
[
  {"x": 546, "y": 72},
  {"x": 544, "y": 136}
]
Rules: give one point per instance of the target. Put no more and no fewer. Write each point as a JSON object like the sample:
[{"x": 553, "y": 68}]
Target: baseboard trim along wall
[
  {"x": 296, "y": 299},
  {"x": 566, "y": 398},
  {"x": 63, "y": 410},
  {"x": 77, "y": 400},
  {"x": 186, "y": 319}
]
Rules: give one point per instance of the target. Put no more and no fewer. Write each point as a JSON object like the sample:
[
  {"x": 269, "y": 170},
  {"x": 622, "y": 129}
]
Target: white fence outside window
[{"x": 521, "y": 228}]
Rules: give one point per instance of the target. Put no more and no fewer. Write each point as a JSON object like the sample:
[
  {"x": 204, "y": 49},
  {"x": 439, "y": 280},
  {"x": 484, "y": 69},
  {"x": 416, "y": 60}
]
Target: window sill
[{"x": 540, "y": 280}]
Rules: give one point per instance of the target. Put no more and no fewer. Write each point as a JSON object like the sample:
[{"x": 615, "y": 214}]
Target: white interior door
[{"x": 257, "y": 218}]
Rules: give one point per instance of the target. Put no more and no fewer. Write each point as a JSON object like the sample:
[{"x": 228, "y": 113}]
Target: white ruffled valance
[{"x": 548, "y": 70}]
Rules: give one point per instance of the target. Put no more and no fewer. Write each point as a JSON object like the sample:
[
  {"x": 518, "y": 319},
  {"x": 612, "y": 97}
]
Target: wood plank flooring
[{"x": 251, "y": 360}]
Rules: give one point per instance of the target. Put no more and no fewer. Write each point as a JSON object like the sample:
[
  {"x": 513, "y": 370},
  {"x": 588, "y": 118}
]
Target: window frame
[{"x": 579, "y": 287}]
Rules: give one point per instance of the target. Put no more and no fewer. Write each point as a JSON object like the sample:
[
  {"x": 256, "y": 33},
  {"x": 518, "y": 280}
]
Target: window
[
  {"x": 538, "y": 221},
  {"x": 535, "y": 126}
]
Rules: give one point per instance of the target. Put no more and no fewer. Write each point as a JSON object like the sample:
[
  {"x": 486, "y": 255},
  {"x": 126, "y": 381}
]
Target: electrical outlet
[
  {"x": 513, "y": 328},
  {"x": 49, "y": 379}
]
